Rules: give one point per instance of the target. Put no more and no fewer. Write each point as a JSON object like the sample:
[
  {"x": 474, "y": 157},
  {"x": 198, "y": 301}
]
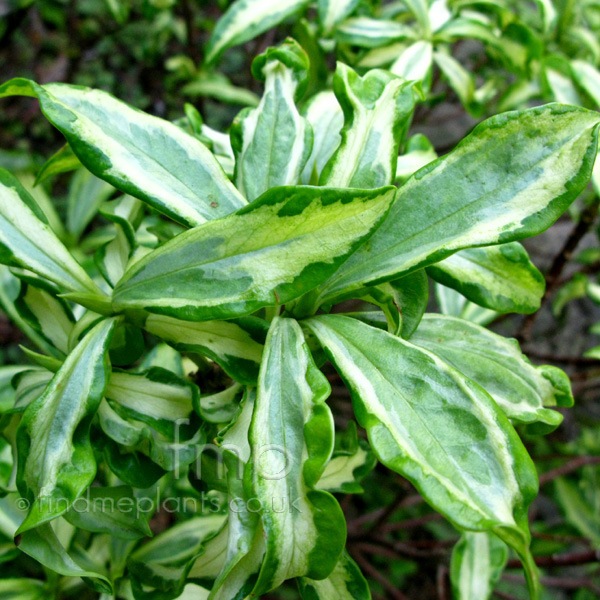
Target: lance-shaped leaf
[
  {"x": 86, "y": 194},
  {"x": 159, "y": 568},
  {"x": 46, "y": 313},
  {"x": 245, "y": 19},
  {"x": 511, "y": 178},
  {"x": 345, "y": 582},
  {"x": 521, "y": 389},
  {"x": 238, "y": 550},
  {"x": 43, "y": 545},
  {"x": 293, "y": 239},
  {"x": 292, "y": 439},
  {"x": 10, "y": 290},
  {"x": 501, "y": 277},
  {"x": 351, "y": 461},
  {"x": 110, "y": 510},
  {"x": 478, "y": 560},
  {"x": 235, "y": 345},
  {"x": 440, "y": 430},
  {"x": 137, "y": 153},
  {"x": 272, "y": 142},
  {"x": 371, "y": 33},
  {"x": 27, "y": 240},
  {"x": 157, "y": 397},
  {"x": 326, "y": 118},
  {"x": 415, "y": 62},
  {"x": 23, "y": 589},
  {"x": 56, "y": 461},
  {"x": 332, "y": 12},
  {"x": 221, "y": 406},
  {"x": 62, "y": 161},
  {"x": 377, "y": 109}
]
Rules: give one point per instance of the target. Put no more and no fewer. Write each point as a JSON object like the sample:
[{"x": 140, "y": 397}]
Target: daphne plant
[{"x": 209, "y": 320}]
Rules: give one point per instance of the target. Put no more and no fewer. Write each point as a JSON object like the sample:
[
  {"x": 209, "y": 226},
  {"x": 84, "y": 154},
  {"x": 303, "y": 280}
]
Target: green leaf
[
  {"x": 377, "y": 109},
  {"x": 294, "y": 238},
  {"x": 588, "y": 77},
  {"x": 22, "y": 589},
  {"x": 403, "y": 301},
  {"x": 458, "y": 77},
  {"x": 455, "y": 304},
  {"x": 62, "y": 161},
  {"x": 246, "y": 19},
  {"x": 304, "y": 528},
  {"x": 501, "y": 277},
  {"x": 419, "y": 152},
  {"x": 139, "y": 154},
  {"x": 332, "y": 12},
  {"x": 221, "y": 406},
  {"x": 111, "y": 510},
  {"x": 478, "y": 560},
  {"x": 236, "y": 346},
  {"x": 10, "y": 290},
  {"x": 365, "y": 32},
  {"x": 56, "y": 461},
  {"x": 86, "y": 194},
  {"x": 28, "y": 242},
  {"x": 43, "y": 545},
  {"x": 326, "y": 118},
  {"x": 164, "y": 562},
  {"x": 272, "y": 142},
  {"x": 578, "y": 509},
  {"x": 520, "y": 389},
  {"x": 437, "y": 428},
  {"x": 415, "y": 62},
  {"x": 511, "y": 178},
  {"x": 46, "y": 313},
  {"x": 351, "y": 461},
  {"x": 156, "y": 397},
  {"x": 345, "y": 582}
]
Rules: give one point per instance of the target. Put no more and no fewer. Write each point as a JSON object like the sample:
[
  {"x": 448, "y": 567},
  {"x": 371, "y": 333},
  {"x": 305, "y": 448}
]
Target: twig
[
  {"x": 561, "y": 560},
  {"x": 569, "y": 583},
  {"x": 588, "y": 216},
  {"x": 504, "y": 595},
  {"x": 368, "y": 568},
  {"x": 376, "y": 514},
  {"x": 442, "y": 580},
  {"x": 569, "y": 467},
  {"x": 412, "y": 523}
]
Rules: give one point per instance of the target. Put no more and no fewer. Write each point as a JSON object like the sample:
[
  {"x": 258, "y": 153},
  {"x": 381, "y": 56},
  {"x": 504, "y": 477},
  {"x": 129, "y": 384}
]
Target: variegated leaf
[
  {"x": 478, "y": 560},
  {"x": 235, "y": 345},
  {"x": 139, "y": 154},
  {"x": 40, "y": 307},
  {"x": 272, "y": 142},
  {"x": 62, "y": 161},
  {"x": 521, "y": 389},
  {"x": 366, "y": 32},
  {"x": 460, "y": 80},
  {"x": 86, "y": 195},
  {"x": 10, "y": 290},
  {"x": 332, "y": 12},
  {"x": 414, "y": 64},
  {"x": 305, "y": 530},
  {"x": 27, "y": 241},
  {"x": 377, "y": 109},
  {"x": 245, "y": 19},
  {"x": 438, "y": 429},
  {"x": 345, "y": 582},
  {"x": 159, "y": 568},
  {"x": 326, "y": 118},
  {"x": 511, "y": 178},
  {"x": 157, "y": 397},
  {"x": 56, "y": 461},
  {"x": 293, "y": 239},
  {"x": 501, "y": 277}
]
